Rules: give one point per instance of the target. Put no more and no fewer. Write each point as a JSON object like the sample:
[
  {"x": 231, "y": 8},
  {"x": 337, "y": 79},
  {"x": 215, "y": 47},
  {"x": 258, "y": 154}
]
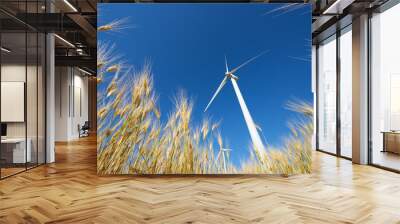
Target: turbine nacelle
[{"x": 231, "y": 75}]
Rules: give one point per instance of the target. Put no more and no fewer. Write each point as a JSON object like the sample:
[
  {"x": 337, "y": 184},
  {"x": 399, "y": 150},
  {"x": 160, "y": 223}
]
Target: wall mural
[{"x": 204, "y": 89}]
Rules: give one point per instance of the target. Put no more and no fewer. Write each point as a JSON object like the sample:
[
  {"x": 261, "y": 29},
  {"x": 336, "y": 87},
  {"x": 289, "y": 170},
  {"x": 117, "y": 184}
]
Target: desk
[
  {"x": 391, "y": 142},
  {"x": 13, "y": 150}
]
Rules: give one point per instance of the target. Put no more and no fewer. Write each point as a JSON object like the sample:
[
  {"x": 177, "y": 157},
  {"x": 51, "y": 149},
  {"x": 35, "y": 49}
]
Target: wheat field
[{"x": 132, "y": 139}]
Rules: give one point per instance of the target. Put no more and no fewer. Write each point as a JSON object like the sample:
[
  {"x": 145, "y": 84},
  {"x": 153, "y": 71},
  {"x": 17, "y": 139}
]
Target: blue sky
[{"x": 186, "y": 44}]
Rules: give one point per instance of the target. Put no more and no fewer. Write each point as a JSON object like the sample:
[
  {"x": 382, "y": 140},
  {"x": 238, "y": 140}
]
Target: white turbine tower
[
  {"x": 255, "y": 137},
  {"x": 223, "y": 152}
]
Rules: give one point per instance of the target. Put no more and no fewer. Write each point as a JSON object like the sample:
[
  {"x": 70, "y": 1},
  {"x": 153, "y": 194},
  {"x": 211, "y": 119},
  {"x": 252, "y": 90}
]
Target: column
[{"x": 360, "y": 90}]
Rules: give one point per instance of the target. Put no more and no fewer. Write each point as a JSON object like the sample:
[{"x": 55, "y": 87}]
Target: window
[
  {"x": 327, "y": 95},
  {"x": 385, "y": 89},
  {"x": 346, "y": 92}
]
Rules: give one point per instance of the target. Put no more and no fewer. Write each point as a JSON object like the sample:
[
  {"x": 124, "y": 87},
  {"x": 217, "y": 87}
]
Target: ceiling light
[
  {"x": 65, "y": 41},
  {"x": 5, "y": 50},
  {"x": 338, "y": 6},
  {"x": 79, "y": 51},
  {"x": 84, "y": 71},
  {"x": 70, "y": 5}
]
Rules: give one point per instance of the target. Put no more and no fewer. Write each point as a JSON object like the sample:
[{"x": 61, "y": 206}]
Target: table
[
  {"x": 13, "y": 150},
  {"x": 391, "y": 141}
]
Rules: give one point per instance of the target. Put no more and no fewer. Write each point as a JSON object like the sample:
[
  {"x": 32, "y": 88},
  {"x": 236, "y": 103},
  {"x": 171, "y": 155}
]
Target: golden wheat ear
[
  {"x": 116, "y": 25},
  {"x": 300, "y": 106}
]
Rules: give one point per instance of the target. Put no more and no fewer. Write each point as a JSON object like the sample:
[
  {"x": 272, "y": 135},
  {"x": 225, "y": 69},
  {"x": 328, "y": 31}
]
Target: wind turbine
[
  {"x": 255, "y": 137},
  {"x": 223, "y": 151}
]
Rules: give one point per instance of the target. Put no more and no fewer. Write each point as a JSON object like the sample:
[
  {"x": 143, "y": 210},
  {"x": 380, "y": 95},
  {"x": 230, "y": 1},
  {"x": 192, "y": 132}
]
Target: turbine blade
[
  {"x": 223, "y": 156},
  {"x": 219, "y": 155},
  {"x": 248, "y": 61},
  {"x": 258, "y": 127},
  {"x": 296, "y": 6},
  {"x": 216, "y": 92},
  {"x": 226, "y": 65},
  {"x": 279, "y": 8}
]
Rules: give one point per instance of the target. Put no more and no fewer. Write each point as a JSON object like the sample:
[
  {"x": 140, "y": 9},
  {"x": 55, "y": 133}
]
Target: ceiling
[{"x": 76, "y": 20}]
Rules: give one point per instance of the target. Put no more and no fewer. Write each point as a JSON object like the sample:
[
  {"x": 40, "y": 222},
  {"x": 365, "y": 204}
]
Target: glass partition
[
  {"x": 327, "y": 95},
  {"x": 22, "y": 88},
  {"x": 13, "y": 108}
]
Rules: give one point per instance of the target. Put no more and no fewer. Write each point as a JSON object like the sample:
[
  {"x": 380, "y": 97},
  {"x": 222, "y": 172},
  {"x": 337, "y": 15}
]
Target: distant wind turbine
[
  {"x": 255, "y": 137},
  {"x": 223, "y": 152}
]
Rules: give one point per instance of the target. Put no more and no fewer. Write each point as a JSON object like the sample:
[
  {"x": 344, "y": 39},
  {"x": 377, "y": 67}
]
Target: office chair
[{"x": 84, "y": 130}]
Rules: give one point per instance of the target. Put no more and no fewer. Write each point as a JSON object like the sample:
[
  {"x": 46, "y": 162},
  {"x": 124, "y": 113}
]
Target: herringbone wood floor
[{"x": 69, "y": 191}]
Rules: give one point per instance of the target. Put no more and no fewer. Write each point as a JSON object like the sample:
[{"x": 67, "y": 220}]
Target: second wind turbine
[{"x": 255, "y": 137}]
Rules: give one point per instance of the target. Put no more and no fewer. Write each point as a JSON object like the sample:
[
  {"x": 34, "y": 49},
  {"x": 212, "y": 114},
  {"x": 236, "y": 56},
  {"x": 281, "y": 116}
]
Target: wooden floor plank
[{"x": 69, "y": 191}]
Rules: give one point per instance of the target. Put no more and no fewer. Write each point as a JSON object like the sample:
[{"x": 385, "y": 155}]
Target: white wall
[
  {"x": 13, "y": 72},
  {"x": 81, "y": 89},
  {"x": 13, "y": 100},
  {"x": 16, "y": 73},
  {"x": 9, "y": 73},
  {"x": 70, "y": 83},
  {"x": 62, "y": 81}
]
